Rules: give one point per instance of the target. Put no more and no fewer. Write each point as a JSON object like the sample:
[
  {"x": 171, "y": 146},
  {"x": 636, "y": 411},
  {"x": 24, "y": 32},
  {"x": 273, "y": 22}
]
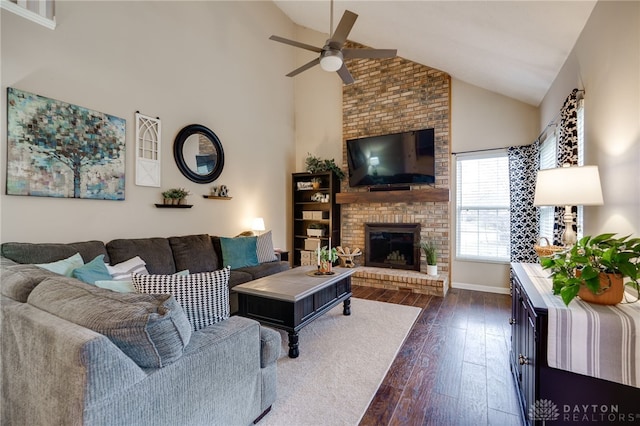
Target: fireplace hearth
[{"x": 392, "y": 245}]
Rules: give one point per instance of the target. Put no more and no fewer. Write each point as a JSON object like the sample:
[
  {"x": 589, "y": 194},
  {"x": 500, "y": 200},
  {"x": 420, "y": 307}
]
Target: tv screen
[{"x": 395, "y": 159}]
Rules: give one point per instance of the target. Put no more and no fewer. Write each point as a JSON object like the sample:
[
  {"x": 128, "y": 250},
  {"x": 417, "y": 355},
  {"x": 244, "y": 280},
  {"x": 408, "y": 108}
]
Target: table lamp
[
  {"x": 257, "y": 226},
  {"x": 568, "y": 186}
]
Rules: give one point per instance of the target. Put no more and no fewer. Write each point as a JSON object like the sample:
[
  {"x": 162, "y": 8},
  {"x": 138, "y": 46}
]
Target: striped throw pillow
[
  {"x": 264, "y": 248},
  {"x": 122, "y": 271}
]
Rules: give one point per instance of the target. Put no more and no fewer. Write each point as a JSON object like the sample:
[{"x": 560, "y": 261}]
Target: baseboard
[{"x": 478, "y": 287}]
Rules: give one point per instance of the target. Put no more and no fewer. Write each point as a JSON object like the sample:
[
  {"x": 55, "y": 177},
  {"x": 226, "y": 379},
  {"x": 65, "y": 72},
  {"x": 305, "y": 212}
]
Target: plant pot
[
  {"x": 325, "y": 266},
  {"x": 167, "y": 201},
  {"x": 612, "y": 294},
  {"x": 432, "y": 269}
]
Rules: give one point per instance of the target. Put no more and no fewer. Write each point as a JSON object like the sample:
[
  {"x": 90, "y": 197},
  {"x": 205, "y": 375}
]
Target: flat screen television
[{"x": 391, "y": 160}]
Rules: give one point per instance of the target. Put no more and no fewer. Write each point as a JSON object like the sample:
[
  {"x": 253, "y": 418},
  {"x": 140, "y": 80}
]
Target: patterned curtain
[
  {"x": 523, "y": 168},
  {"x": 567, "y": 153}
]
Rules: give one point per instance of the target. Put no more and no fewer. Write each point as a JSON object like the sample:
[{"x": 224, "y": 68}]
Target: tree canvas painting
[{"x": 56, "y": 149}]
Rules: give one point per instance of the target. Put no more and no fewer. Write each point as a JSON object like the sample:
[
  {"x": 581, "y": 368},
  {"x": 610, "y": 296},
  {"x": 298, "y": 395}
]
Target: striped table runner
[{"x": 594, "y": 340}]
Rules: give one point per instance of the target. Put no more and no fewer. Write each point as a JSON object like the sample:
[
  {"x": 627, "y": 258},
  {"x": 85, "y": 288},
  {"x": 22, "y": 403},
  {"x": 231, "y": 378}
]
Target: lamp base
[{"x": 569, "y": 236}]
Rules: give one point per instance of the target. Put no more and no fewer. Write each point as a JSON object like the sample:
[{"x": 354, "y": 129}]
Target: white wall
[
  {"x": 209, "y": 63},
  {"x": 318, "y": 96},
  {"x": 605, "y": 62},
  {"x": 481, "y": 119}
]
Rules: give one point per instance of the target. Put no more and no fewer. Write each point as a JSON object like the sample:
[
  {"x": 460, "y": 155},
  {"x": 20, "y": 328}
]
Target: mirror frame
[{"x": 178, "y": 146}]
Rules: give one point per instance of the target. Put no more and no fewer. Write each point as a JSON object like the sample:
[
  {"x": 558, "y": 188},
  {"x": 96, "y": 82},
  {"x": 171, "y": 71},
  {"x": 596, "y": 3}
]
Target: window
[
  {"x": 548, "y": 154},
  {"x": 548, "y": 160},
  {"x": 482, "y": 212}
]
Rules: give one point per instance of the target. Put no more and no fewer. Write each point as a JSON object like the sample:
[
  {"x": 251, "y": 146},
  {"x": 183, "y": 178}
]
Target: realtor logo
[{"x": 544, "y": 410}]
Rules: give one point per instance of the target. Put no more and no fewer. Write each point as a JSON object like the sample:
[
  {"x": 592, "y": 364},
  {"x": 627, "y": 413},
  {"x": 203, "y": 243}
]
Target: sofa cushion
[
  {"x": 123, "y": 270},
  {"x": 265, "y": 269},
  {"x": 239, "y": 252},
  {"x": 64, "y": 266},
  {"x": 92, "y": 271},
  {"x": 151, "y": 329},
  {"x": 204, "y": 296},
  {"x": 17, "y": 281},
  {"x": 194, "y": 252},
  {"x": 50, "y": 252},
  {"x": 265, "y": 250},
  {"x": 156, "y": 252}
]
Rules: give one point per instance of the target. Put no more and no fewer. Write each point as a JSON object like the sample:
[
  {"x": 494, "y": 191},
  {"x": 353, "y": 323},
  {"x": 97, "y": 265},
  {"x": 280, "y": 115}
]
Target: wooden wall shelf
[
  {"x": 416, "y": 195},
  {"x": 215, "y": 197}
]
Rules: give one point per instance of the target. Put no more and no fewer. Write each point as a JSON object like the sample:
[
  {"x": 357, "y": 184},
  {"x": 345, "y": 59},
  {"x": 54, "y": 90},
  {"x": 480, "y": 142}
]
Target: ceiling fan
[{"x": 332, "y": 54}]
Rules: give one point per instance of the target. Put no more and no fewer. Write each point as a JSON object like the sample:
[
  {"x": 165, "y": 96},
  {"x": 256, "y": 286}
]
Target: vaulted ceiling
[{"x": 515, "y": 48}]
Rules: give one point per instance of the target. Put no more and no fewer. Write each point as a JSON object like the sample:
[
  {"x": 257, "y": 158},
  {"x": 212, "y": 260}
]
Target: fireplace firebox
[{"x": 392, "y": 245}]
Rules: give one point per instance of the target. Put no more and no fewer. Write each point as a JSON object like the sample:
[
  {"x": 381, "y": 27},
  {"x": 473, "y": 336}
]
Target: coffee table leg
[
  {"x": 293, "y": 345},
  {"x": 346, "y": 307}
]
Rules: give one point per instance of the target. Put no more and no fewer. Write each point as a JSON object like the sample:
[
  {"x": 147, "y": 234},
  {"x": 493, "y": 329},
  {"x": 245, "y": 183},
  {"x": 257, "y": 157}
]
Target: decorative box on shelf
[{"x": 311, "y": 243}]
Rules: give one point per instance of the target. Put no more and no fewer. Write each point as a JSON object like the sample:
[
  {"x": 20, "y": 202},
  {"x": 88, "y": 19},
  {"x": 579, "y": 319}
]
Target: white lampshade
[
  {"x": 331, "y": 60},
  {"x": 374, "y": 161},
  {"x": 568, "y": 186},
  {"x": 258, "y": 224}
]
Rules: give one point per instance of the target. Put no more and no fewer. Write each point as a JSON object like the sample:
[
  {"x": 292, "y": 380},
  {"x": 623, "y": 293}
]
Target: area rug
[{"x": 343, "y": 360}]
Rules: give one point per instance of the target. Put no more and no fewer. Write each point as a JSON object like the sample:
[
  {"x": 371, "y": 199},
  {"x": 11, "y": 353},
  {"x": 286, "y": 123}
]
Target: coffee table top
[{"x": 293, "y": 284}]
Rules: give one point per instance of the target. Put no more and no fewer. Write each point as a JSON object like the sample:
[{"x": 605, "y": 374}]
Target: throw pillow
[
  {"x": 151, "y": 329},
  {"x": 92, "y": 271},
  {"x": 239, "y": 252},
  {"x": 125, "y": 286},
  {"x": 204, "y": 296},
  {"x": 65, "y": 266},
  {"x": 265, "y": 250},
  {"x": 123, "y": 270}
]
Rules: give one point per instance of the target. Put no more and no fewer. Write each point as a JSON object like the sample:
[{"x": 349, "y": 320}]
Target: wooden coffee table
[{"x": 291, "y": 299}]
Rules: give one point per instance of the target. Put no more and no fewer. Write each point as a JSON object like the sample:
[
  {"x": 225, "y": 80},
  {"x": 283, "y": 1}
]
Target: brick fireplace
[
  {"x": 392, "y": 245},
  {"x": 392, "y": 96}
]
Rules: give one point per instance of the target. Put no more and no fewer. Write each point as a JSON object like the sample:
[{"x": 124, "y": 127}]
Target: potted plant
[
  {"x": 316, "y": 230},
  {"x": 595, "y": 269},
  {"x": 431, "y": 254},
  {"x": 315, "y": 182},
  {"x": 318, "y": 165},
  {"x": 327, "y": 258},
  {"x": 175, "y": 195}
]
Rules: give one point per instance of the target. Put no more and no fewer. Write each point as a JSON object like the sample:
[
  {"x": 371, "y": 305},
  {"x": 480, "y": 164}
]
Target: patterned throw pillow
[
  {"x": 122, "y": 271},
  {"x": 265, "y": 248},
  {"x": 204, "y": 296}
]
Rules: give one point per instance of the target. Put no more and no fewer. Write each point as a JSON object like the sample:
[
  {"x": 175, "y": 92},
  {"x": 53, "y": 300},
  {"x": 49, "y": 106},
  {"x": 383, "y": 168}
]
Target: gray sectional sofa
[{"x": 77, "y": 354}]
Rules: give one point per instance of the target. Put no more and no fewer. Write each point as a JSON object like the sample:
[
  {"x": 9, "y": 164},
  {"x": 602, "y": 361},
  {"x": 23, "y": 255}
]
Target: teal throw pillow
[
  {"x": 92, "y": 271},
  {"x": 65, "y": 266},
  {"x": 239, "y": 252}
]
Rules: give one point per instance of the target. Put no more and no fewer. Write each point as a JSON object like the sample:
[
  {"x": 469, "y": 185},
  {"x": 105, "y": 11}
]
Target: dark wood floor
[{"x": 453, "y": 368}]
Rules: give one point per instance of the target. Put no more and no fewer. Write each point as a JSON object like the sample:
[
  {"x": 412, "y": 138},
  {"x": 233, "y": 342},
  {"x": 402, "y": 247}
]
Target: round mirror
[{"x": 198, "y": 153}]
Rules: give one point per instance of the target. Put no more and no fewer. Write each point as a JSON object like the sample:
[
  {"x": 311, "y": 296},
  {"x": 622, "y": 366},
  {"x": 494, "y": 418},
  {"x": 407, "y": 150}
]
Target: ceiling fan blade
[
  {"x": 295, "y": 43},
  {"x": 304, "y": 67},
  {"x": 345, "y": 75},
  {"x": 344, "y": 28},
  {"x": 369, "y": 53}
]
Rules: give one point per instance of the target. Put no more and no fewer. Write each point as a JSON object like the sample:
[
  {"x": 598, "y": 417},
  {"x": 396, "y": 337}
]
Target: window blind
[{"x": 482, "y": 204}]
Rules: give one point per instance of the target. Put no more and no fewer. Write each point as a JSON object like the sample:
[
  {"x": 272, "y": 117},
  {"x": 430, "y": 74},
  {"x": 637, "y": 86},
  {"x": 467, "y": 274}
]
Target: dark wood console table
[
  {"x": 577, "y": 399},
  {"x": 291, "y": 299}
]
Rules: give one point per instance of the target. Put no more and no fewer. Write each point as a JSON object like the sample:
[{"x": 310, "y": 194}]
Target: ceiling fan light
[{"x": 331, "y": 60}]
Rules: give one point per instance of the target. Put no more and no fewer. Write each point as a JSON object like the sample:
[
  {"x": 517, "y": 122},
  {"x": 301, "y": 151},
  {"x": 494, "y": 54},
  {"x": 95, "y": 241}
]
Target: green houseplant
[
  {"x": 327, "y": 258},
  {"x": 593, "y": 264},
  {"x": 317, "y": 165},
  {"x": 431, "y": 254},
  {"x": 174, "y": 195}
]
